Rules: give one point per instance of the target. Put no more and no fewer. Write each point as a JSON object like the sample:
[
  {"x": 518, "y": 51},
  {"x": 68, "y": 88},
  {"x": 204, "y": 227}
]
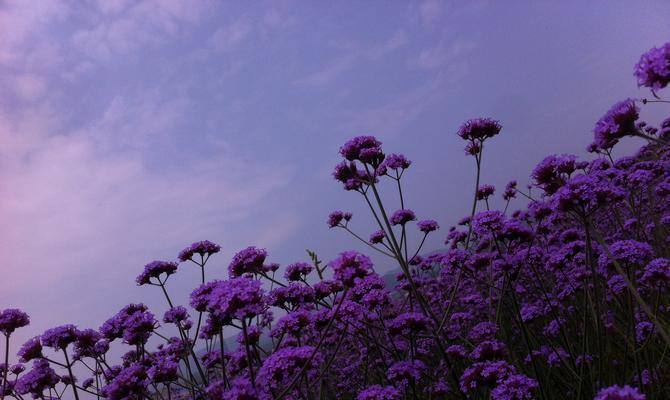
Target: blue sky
[{"x": 129, "y": 129}]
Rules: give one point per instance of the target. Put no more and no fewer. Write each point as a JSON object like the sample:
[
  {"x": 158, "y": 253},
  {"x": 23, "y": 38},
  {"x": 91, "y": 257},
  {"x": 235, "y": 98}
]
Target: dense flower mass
[{"x": 566, "y": 297}]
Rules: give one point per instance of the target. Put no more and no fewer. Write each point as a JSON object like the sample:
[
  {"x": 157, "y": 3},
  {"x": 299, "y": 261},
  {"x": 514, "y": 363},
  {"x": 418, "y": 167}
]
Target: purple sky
[{"x": 129, "y": 129}]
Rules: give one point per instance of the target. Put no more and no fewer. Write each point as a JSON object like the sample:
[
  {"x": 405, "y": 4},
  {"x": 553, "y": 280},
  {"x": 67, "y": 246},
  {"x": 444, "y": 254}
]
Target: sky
[{"x": 129, "y": 129}]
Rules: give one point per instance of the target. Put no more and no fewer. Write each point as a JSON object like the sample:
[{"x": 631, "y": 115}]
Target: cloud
[
  {"x": 430, "y": 11},
  {"x": 443, "y": 54},
  {"x": 328, "y": 73},
  {"x": 121, "y": 29},
  {"x": 228, "y": 37},
  {"x": 398, "y": 40},
  {"x": 20, "y": 21},
  {"x": 72, "y": 203},
  {"x": 27, "y": 86}
]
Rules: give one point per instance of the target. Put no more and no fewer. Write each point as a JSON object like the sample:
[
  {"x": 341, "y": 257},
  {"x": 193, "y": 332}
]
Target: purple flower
[
  {"x": 236, "y": 298},
  {"x": 60, "y": 337},
  {"x": 164, "y": 369},
  {"x": 30, "y": 350},
  {"x": 377, "y": 237},
  {"x": 205, "y": 248},
  {"x": 175, "y": 315},
  {"x": 396, "y": 162},
  {"x": 408, "y": 323},
  {"x": 336, "y": 217},
  {"x": 154, "y": 270},
  {"x": 656, "y": 273},
  {"x": 366, "y": 149},
  {"x": 552, "y": 172},
  {"x": 485, "y": 191},
  {"x": 479, "y": 129},
  {"x": 134, "y": 323},
  {"x": 510, "y": 191},
  {"x": 515, "y": 387},
  {"x": 247, "y": 261},
  {"x": 428, "y": 225},
  {"x": 351, "y": 265},
  {"x": 404, "y": 373},
  {"x": 402, "y": 216},
  {"x": 280, "y": 367},
  {"x": 483, "y": 331},
  {"x": 11, "y": 319},
  {"x": 618, "y": 122},
  {"x": 653, "y": 69},
  {"x": 84, "y": 346},
  {"x": 378, "y": 392},
  {"x": 16, "y": 369},
  {"x": 619, "y": 393},
  {"x": 291, "y": 296},
  {"x": 351, "y": 177},
  {"x": 39, "y": 378},
  {"x": 298, "y": 271},
  {"x": 129, "y": 383}
]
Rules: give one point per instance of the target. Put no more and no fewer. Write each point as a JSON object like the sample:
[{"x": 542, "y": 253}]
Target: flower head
[
  {"x": 59, "y": 337},
  {"x": 11, "y": 319},
  {"x": 366, "y": 149},
  {"x": 204, "y": 248},
  {"x": 336, "y": 217},
  {"x": 402, "y": 216},
  {"x": 350, "y": 266},
  {"x": 428, "y": 225},
  {"x": 619, "y": 121},
  {"x": 653, "y": 69},
  {"x": 154, "y": 270},
  {"x": 247, "y": 261},
  {"x": 619, "y": 393},
  {"x": 479, "y": 129}
]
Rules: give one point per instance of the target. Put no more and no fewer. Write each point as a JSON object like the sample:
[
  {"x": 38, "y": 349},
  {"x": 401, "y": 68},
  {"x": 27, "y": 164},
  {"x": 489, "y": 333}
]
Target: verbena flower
[
  {"x": 154, "y": 270},
  {"x": 236, "y": 298},
  {"x": 653, "y": 69},
  {"x": 349, "y": 266},
  {"x": 402, "y": 216},
  {"x": 38, "y": 379},
  {"x": 378, "y": 392},
  {"x": 247, "y": 261},
  {"x": 12, "y": 319},
  {"x": 619, "y": 393},
  {"x": 336, "y": 217},
  {"x": 427, "y": 225},
  {"x": 619, "y": 121},
  {"x": 203, "y": 248},
  {"x": 30, "y": 350},
  {"x": 59, "y": 337},
  {"x": 297, "y": 271},
  {"x": 280, "y": 367},
  {"x": 479, "y": 129}
]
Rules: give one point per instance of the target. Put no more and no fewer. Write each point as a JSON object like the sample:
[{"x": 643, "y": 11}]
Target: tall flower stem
[
  {"x": 4, "y": 379},
  {"x": 69, "y": 370}
]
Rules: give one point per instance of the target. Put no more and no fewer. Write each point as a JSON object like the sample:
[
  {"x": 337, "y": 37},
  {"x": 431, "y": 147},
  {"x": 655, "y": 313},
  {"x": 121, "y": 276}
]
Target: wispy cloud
[{"x": 328, "y": 73}]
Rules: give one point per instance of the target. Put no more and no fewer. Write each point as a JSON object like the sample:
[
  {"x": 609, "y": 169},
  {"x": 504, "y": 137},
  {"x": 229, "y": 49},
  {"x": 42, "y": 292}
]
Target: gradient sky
[{"x": 129, "y": 129}]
